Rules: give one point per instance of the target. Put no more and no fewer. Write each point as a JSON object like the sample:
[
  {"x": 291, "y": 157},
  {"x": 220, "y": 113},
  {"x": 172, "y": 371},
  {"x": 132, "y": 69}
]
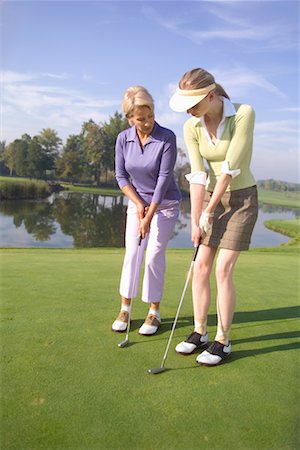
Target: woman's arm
[
  {"x": 131, "y": 193},
  {"x": 196, "y": 197},
  {"x": 123, "y": 177},
  {"x": 221, "y": 186},
  {"x": 166, "y": 168}
]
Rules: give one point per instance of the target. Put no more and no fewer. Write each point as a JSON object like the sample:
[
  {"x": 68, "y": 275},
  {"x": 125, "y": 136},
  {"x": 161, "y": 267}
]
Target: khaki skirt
[{"x": 234, "y": 219}]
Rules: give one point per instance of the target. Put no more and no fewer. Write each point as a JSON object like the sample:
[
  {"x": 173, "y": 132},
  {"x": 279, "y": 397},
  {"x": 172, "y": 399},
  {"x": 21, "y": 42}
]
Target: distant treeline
[
  {"x": 277, "y": 185},
  {"x": 87, "y": 156}
]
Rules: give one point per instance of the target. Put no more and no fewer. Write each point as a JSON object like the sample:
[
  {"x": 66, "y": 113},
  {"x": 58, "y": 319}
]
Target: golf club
[
  {"x": 162, "y": 367},
  {"x": 126, "y": 340}
]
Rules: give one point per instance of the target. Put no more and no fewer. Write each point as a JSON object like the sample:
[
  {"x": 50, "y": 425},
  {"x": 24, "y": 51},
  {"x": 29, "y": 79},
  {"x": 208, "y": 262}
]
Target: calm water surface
[{"x": 68, "y": 220}]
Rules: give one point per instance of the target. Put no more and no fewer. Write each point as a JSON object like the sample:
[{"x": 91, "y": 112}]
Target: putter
[
  {"x": 162, "y": 368},
  {"x": 126, "y": 340}
]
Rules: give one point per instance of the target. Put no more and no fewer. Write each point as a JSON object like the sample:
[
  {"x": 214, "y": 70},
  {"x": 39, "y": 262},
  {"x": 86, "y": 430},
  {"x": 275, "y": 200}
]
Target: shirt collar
[
  {"x": 154, "y": 136},
  {"x": 228, "y": 110}
]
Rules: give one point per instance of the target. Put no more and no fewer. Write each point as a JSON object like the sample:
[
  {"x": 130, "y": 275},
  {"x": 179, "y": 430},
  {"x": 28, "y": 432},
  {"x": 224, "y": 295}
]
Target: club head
[
  {"x": 157, "y": 370},
  {"x": 123, "y": 343}
]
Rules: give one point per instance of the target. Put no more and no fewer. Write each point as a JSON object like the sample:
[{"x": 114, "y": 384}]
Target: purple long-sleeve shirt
[{"x": 148, "y": 170}]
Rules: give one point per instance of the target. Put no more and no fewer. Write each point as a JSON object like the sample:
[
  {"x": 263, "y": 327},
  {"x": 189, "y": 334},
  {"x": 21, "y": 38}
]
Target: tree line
[
  {"x": 277, "y": 185},
  {"x": 87, "y": 156}
]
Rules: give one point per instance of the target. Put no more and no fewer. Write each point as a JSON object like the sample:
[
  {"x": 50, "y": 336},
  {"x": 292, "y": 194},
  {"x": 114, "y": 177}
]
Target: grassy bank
[
  {"x": 11, "y": 189},
  {"x": 289, "y": 199},
  {"x": 289, "y": 228},
  {"x": 91, "y": 189},
  {"x": 67, "y": 385}
]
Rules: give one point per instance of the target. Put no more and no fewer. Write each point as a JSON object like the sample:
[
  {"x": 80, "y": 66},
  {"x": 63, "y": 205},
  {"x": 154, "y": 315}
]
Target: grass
[
  {"x": 288, "y": 227},
  {"x": 289, "y": 199},
  {"x": 91, "y": 189},
  {"x": 67, "y": 385}
]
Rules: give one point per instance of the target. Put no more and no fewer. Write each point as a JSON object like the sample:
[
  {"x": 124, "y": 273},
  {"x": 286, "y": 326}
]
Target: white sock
[
  {"x": 125, "y": 308},
  {"x": 155, "y": 312}
]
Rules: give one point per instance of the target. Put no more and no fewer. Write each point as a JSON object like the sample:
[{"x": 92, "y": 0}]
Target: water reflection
[{"x": 90, "y": 220}]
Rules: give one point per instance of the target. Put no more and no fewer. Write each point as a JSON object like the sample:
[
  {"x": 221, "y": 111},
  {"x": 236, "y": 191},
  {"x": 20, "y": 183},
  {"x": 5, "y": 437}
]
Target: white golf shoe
[
  {"x": 120, "y": 324},
  {"x": 150, "y": 326},
  {"x": 216, "y": 354},
  {"x": 194, "y": 341}
]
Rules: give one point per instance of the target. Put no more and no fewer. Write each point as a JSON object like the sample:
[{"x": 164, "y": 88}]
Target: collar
[
  {"x": 228, "y": 110},
  {"x": 153, "y": 137}
]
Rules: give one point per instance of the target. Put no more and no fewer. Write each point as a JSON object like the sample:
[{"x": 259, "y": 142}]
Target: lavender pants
[{"x": 156, "y": 241}]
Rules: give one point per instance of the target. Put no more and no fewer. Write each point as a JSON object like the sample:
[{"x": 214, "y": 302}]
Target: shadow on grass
[
  {"x": 239, "y": 354},
  {"x": 251, "y": 317},
  {"x": 288, "y": 312},
  {"x": 240, "y": 317}
]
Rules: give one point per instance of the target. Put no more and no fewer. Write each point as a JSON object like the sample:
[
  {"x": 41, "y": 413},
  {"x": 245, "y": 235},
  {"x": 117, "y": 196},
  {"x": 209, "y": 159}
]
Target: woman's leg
[
  {"x": 133, "y": 257},
  {"x": 131, "y": 268},
  {"x": 220, "y": 349},
  {"x": 201, "y": 286},
  {"x": 201, "y": 300},
  {"x": 226, "y": 298},
  {"x": 162, "y": 227}
]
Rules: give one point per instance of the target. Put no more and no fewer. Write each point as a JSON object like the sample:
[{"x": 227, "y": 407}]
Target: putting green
[{"x": 67, "y": 385}]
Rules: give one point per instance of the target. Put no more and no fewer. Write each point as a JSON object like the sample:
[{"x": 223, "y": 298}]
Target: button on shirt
[{"x": 149, "y": 169}]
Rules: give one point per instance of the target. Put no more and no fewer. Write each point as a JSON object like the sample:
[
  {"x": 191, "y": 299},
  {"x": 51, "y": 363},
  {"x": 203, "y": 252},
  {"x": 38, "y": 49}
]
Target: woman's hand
[
  {"x": 140, "y": 211},
  {"x": 145, "y": 221},
  {"x": 144, "y": 227},
  {"x": 205, "y": 222},
  {"x": 196, "y": 235}
]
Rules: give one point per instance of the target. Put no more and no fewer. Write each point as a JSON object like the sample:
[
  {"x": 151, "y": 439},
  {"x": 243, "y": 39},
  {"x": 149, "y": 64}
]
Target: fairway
[{"x": 67, "y": 385}]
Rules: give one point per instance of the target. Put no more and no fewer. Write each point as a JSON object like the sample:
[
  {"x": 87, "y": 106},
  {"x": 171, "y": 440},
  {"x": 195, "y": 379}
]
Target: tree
[
  {"x": 92, "y": 147},
  {"x": 35, "y": 159},
  {"x": 3, "y": 168},
  {"x": 181, "y": 169},
  {"x": 15, "y": 157},
  {"x": 50, "y": 144},
  {"x": 21, "y": 157},
  {"x": 110, "y": 131},
  {"x": 71, "y": 163}
]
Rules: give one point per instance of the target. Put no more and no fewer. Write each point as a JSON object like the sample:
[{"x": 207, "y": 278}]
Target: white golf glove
[{"x": 204, "y": 223}]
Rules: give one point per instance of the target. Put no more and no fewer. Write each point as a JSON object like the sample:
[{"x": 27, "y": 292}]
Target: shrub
[{"x": 17, "y": 190}]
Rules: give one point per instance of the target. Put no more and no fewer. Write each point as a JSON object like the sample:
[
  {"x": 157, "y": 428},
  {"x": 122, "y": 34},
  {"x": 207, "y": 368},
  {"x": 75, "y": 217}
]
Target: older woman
[
  {"x": 223, "y": 207},
  {"x": 145, "y": 158}
]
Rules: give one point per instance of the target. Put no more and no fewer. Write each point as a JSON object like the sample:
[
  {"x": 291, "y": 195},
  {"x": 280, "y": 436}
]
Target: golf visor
[{"x": 184, "y": 99}]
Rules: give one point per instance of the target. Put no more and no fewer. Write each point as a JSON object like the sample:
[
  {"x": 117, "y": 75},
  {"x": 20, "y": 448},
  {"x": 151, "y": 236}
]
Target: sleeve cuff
[
  {"x": 225, "y": 169},
  {"x": 196, "y": 178}
]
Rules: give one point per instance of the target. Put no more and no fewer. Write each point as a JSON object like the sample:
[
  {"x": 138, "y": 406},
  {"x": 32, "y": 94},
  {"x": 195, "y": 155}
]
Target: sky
[{"x": 65, "y": 62}]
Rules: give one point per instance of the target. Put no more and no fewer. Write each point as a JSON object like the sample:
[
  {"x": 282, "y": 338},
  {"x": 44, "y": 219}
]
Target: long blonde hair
[{"x": 200, "y": 78}]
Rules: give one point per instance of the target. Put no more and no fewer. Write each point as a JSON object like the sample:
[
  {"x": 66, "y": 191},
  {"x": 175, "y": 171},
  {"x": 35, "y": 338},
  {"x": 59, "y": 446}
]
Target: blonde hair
[
  {"x": 134, "y": 97},
  {"x": 200, "y": 78}
]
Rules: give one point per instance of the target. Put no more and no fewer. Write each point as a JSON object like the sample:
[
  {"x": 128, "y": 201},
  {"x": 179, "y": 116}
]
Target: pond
[{"x": 68, "y": 220}]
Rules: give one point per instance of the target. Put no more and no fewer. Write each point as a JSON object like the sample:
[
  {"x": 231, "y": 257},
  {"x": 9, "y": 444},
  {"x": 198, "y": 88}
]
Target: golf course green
[{"x": 67, "y": 385}]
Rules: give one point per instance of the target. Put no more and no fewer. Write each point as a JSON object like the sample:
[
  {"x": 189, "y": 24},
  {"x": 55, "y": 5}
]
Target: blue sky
[{"x": 65, "y": 62}]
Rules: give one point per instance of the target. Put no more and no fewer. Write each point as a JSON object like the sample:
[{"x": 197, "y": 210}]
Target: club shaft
[
  {"x": 178, "y": 311},
  {"x": 133, "y": 288}
]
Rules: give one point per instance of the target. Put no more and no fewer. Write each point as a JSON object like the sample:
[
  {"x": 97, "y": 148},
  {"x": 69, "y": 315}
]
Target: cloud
[
  {"x": 8, "y": 76},
  {"x": 239, "y": 81},
  {"x": 26, "y": 98},
  {"x": 240, "y": 26}
]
